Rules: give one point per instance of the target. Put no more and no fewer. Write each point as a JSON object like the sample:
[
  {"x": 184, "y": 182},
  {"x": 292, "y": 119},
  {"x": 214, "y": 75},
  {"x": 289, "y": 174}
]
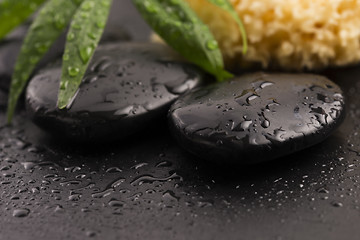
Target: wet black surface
[
  {"x": 257, "y": 117},
  {"x": 147, "y": 187},
  {"x": 127, "y": 87}
]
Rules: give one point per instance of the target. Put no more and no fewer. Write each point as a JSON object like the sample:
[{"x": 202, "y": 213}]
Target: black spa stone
[
  {"x": 128, "y": 87},
  {"x": 257, "y": 117}
]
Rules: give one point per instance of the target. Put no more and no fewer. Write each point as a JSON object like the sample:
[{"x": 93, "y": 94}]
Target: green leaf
[
  {"x": 52, "y": 20},
  {"x": 15, "y": 12},
  {"x": 83, "y": 37},
  {"x": 226, "y": 5},
  {"x": 180, "y": 27}
]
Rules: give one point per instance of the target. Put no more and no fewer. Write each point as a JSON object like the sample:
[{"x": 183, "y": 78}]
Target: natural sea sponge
[{"x": 287, "y": 34}]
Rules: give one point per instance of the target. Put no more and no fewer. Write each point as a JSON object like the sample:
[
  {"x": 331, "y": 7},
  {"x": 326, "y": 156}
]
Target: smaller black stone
[
  {"x": 127, "y": 88},
  {"x": 115, "y": 32},
  {"x": 257, "y": 117}
]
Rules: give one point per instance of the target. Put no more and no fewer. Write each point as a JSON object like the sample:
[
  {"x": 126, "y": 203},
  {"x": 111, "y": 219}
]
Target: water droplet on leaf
[
  {"x": 73, "y": 71},
  {"x": 85, "y": 53},
  {"x": 212, "y": 44}
]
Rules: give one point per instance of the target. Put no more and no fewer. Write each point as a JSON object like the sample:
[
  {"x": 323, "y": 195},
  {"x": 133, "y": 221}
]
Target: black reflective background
[{"x": 146, "y": 187}]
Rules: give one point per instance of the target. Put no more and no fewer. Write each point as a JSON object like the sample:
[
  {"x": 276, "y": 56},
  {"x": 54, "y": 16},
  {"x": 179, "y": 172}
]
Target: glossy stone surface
[
  {"x": 257, "y": 117},
  {"x": 127, "y": 87}
]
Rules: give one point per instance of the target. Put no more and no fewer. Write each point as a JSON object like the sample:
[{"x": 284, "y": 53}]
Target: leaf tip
[
  {"x": 9, "y": 114},
  {"x": 11, "y": 105},
  {"x": 245, "y": 49},
  {"x": 9, "y": 119},
  {"x": 61, "y": 104},
  {"x": 223, "y": 75}
]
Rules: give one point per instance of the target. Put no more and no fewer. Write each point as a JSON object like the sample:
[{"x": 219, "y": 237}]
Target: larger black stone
[
  {"x": 126, "y": 88},
  {"x": 257, "y": 117}
]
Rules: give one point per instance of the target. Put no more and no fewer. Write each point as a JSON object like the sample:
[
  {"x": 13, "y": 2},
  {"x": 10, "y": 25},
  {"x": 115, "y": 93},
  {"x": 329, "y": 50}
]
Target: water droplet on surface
[
  {"x": 322, "y": 190},
  {"x": 140, "y": 165},
  {"x": 170, "y": 196},
  {"x": 103, "y": 194},
  {"x": 85, "y": 15},
  {"x": 117, "y": 182},
  {"x": 66, "y": 57},
  {"x": 150, "y": 7},
  {"x": 115, "y": 203},
  {"x": 265, "y": 123},
  {"x": 74, "y": 197},
  {"x": 92, "y": 35},
  {"x": 113, "y": 170},
  {"x": 59, "y": 22},
  {"x": 76, "y": 26},
  {"x": 70, "y": 36},
  {"x": 73, "y": 71},
  {"x": 90, "y": 234},
  {"x": 59, "y": 209},
  {"x": 164, "y": 164},
  {"x": 337, "y": 204},
  {"x": 266, "y": 84},
  {"x": 87, "y": 6},
  {"x": 21, "y": 212},
  {"x": 212, "y": 44},
  {"x": 85, "y": 53},
  {"x": 100, "y": 24},
  {"x": 150, "y": 179},
  {"x": 34, "y": 59},
  {"x": 42, "y": 47},
  {"x": 203, "y": 204},
  {"x": 29, "y": 165}
]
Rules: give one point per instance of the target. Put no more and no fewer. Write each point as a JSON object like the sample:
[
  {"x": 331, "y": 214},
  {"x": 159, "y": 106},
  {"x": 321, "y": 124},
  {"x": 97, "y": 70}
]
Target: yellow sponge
[{"x": 290, "y": 34}]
